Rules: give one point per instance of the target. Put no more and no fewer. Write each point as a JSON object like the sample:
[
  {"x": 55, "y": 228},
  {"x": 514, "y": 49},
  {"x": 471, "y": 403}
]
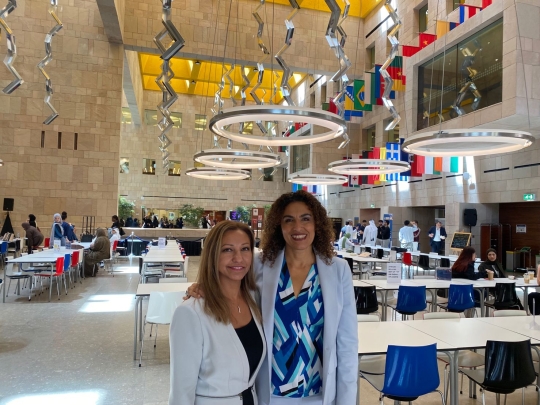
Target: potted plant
[{"x": 192, "y": 215}]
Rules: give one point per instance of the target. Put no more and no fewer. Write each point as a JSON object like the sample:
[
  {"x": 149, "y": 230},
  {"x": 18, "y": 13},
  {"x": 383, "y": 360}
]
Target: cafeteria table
[{"x": 144, "y": 290}]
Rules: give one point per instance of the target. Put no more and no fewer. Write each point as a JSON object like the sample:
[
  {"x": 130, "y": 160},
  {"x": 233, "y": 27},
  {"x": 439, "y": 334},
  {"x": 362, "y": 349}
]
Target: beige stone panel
[
  {"x": 64, "y": 173},
  {"x": 53, "y": 205},
  {"x": 95, "y": 175},
  {"x": 31, "y": 171}
]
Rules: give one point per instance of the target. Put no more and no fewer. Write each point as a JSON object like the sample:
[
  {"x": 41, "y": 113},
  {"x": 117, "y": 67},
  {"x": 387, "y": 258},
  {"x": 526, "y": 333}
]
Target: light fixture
[
  {"x": 467, "y": 142},
  {"x": 197, "y": 62},
  {"x": 1, "y": 163},
  {"x": 318, "y": 179},
  {"x": 332, "y": 122},
  {"x": 238, "y": 159},
  {"x": 212, "y": 173},
  {"x": 368, "y": 167}
]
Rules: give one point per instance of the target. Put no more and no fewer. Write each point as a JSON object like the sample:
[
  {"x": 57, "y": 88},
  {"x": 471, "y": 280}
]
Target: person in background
[
  {"x": 202, "y": 362},
  {"x": 32, "y": 221},
  {"x": 66, "y": 226},
  {"x": 147, "y": 222},
  {"x": 180, "y": 222},
  {"x": 116, "y": 224},
  {"x": 346, "y": 229},
  {"x": 136, "y": 223},
  {"x": 73, "y": 234},
  {"x": 205, "y": 222},
  {"x": 379, "y": 233},
  {"x": 416, "y": 234},
  {"x": 122, "y": 223},
  {"x": 345, "y": 243},
  {"x": 33, "y": 236},
  {"x": 406, "y": 235},
  {"x": 464, "y": 265},
  {"x": 385, "y": 235},
  {"x": 370, "y": 234},
  {"x": 129, "y": 222},
  {"x": 57, "y": 231},
  {"x": 115, "y": 235},
  {"x": 437, "y": 235},
  {"x": 155, "y": 222},
  {"x": 492, "y": 264},
  {"x": 99, "y": 250}
]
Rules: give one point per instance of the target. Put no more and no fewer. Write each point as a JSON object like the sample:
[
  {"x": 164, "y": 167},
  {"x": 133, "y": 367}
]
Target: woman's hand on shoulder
[{"x": 195, "y": 290}]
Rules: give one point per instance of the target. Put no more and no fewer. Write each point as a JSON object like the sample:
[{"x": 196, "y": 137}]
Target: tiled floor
[{"x": 78, "y": 350}]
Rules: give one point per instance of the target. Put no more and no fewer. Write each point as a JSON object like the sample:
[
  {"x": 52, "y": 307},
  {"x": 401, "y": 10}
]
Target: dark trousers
[{"x": 436, "y": 246}]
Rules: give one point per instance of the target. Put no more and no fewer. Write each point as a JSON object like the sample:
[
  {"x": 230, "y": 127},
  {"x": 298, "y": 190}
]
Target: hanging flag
[
  {"x": 467, "y": 11},
  {"x": 437, "y": 165},
  {"x": 446, "y": 164},
  {"x": 417, "y": 166},
  {"x": 379, "y": 86},
  {"x": 444, "y": 27},
  {"x": 404, "y": 157},
  {"x": 350, "y": 110},
  {"x": 373, "y": 88},
  {"x": 392, "y": 153},
  {"x": 382, "y": 155},
  {"x": 353, "y": 181},
  {"x": 486, "y": 3},
  {"x": 362, "y": 95},
  {"x": 296, "y": 187},
  {"x": 428, "y": 165},
  {"x": 395, "y": 70},
  {"x": 409, "y": 50},
  {"x": 426, "y": 39},
  {"x": 376, "y": 154},
  {"x": 455, "y": 163}
]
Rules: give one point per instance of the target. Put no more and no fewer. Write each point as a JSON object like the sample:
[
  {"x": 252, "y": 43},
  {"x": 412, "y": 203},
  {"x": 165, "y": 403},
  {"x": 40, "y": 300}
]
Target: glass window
[
  {"x": 455, "y": 4},
  {"x": 393, "y": 134},
  {"x": 371, "y": 58},
  {"x": 198, "y": 164},
  {"x": 126, "y": 115},
  {"x": 268, "y": 173},
  {"x": 248, "y": 128},
  {"x": 323, "y": 93},
  {"x": 472, "y": 78},
  {"x": 149, "y": 166},
  {"x": 177, "y": 119},
  {"x": 200, "y": 122},
  {"x": 423, "y": 18},
  {"x": 300, "y": 157},
  {"x": 370, "y": 137},
  {"x": 124, "y": 165},
  {"x": 175, "y": 168},
  {"x": 151, "y": 118}
]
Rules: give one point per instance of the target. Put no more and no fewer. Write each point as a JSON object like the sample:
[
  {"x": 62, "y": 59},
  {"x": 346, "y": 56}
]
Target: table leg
[
  {"x": 50, "y": 282},
  {"x": 454, "y": 389},
  {"x": 482, "y": 306},
  {"x": 385, "y": 306},
  {"x": 434, "y": 301},
  {"x": 358, "y": 382},
  {"x": 526, "y": 299},
  {"x": 135, "y": 328}
]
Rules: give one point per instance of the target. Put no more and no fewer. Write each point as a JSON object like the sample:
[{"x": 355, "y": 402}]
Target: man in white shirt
[
  {"x": 437, "y": 235},
  {"x": 347, "y": 229},
  {"x": 406, "y": 236}
]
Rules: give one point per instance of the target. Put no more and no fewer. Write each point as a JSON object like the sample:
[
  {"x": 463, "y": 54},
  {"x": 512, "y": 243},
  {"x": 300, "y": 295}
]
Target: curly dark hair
[{"x": 273, "y": 242}]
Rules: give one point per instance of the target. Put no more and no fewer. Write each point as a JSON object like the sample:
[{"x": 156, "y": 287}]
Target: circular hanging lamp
[
  {"x": 368, "y": 167},
  {"x": 467, "y": 142},
  {"x": 212, "y": 173},
  {"x": 317, "y": 179},
  {"x": 238, "y": 159},
  {"x": 334, "y": 124}
]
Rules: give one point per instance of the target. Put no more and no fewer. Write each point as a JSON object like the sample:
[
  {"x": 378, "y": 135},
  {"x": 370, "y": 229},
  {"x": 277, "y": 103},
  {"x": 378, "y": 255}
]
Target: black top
[
  {"x": 253, "y": 345},
  {"x": 469, "y": 273},
  {"x": 495, "y": 266},
  {"x": 385, "y": 233}
]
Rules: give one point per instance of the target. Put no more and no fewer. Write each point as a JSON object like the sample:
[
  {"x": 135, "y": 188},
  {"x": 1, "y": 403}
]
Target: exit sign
[
  {"x": 372, "y": 205},
  {"x": 529, "y": 197}
]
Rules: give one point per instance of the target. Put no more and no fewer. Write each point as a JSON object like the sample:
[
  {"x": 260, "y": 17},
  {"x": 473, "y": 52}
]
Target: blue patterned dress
[{"x": 297, "y": 352}]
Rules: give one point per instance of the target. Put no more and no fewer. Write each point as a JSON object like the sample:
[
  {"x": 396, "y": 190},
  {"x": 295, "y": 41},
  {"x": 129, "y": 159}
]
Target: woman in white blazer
[
  {"x": 217, "y": 343},
  {"x": 307, "y": 301}
]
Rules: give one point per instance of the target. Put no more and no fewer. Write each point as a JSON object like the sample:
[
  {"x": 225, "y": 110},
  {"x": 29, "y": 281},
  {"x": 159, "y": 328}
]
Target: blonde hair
[{"x": 215, "y": 303}]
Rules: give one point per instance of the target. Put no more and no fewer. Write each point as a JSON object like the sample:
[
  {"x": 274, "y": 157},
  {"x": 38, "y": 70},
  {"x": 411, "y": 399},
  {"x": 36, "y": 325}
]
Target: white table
[
  {"x": 465, "y": 333},
  {"x": 144, "y": 290}
]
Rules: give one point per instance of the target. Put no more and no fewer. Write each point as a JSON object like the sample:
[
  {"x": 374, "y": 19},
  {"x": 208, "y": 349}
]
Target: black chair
[
  {"x": 533, "y": 300},
  {"x": 505, "y": 298},
  {"x": 508, "y": 367},
  {"x": 445, "y": 263},
  {"x": 366, "y": 300},
  {"x": 423, "y": 262}
]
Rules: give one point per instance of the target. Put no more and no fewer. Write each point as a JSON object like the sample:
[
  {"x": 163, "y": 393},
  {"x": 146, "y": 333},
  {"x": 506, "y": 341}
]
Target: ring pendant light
[
  {"x": 213, "y": 173},
  {"x": 368, "y": 167},
  {"x": 238, "y": 159},
  {"x": 318, "y": 179}
]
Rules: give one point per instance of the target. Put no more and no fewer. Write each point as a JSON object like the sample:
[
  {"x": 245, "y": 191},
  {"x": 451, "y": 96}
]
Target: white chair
[
  {"x": 509, "y": 312},
  {"x": 161, "y": 307},
  {"x": 179, "y": 270},
  {"x": 466, "y": 358},
  {"x": 371, "y": 364},
  {"x": 173, "y": 280}
]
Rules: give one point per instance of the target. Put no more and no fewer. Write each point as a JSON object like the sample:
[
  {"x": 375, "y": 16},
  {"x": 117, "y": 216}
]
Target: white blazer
[
  {"x": 209, "y": 365},
  {"x": 340, "y": 339}
]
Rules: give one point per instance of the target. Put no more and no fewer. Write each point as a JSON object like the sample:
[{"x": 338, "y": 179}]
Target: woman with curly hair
[{"x": 308, "y": 308}]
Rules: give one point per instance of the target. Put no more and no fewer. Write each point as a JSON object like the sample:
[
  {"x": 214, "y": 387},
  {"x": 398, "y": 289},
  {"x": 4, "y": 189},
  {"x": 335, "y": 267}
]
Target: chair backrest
[
  {"x": 3, "y": 248},
  {"x": 367, "y": 318},
  {"x": 509, "y": 312},
  {"x": 445, "y": 262},
  {"x": 162, "y": 305},
  {"x": 505, "y": 295},
  {"x": 460, "y": 297},
  {"x": 423, "y": 262},
  {"x": 186, "y": 263},
  {"x": 47, "y": 242},
  {"x": 114, "y": 246},
  {"x": 406, "y": 258},
  {"x": 67, "y": 261},
  {"x": 59, "y": 266},
  {"x": 411, "y": 371},
  {"x": 411, "y": 299},
  {"x": 75, "y": 258},
  {"x": 172, "y": 280},
  {"x": 366, "y": 299},
  {"x": 533, "y": 301},
  {"x": 509, "y": 365},
  {"x": 441, "y": 315}
]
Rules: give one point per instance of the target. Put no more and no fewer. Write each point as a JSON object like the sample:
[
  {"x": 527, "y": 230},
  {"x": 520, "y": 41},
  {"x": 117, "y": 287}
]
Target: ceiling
[
  {"x": 359, "y": 8},
  {"x": 201, "y": 77}
]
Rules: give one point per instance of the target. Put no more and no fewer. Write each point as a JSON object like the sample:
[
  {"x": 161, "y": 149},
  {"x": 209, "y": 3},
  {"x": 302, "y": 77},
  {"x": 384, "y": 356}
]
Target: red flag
[
  {"x": 418, "y": 166},
  {"x": 332, "y": 108},
  {"x": 426, "y": 39},
  {"x": 410, "y": 50},
  {"x": 486, "y": 3}
]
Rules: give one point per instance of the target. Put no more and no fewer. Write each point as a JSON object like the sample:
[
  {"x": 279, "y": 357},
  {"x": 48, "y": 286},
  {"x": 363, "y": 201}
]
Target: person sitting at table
[
  {"x": 464, "y": 266},
  {"x": 492, "y": 264},
  {"x": 33, "y": 236},
  {"x": 345, "y": 243},
  {"x": 100, "y": 250},
  {"x": 115, "y": 235},
  {"x": 217, "y": 343},
  {"x": 32, "y": 221}
]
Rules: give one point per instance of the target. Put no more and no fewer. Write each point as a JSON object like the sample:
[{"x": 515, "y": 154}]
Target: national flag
[
  {"x": 428, "y": 165},
  {"x": 296, "y": 187},
  {"x": 446, "y": 164},
  {"x": 466, "y": 11},
  {"x": 409, "y": 50},
  {"x": 486, "y": 3},
  {"x": 355, "y": 180},
  {"x": 379, "y": 86},
  {"x": 393, "y": 152},
  {"x": 404, "y": 157},
  {"x": 332, "y": 107},
  {"x": 456, "y": 164},
  {"x": 444, "y": 27},
  {"x": 426, "y": 39},
  {"x": 437, "y": 165},
  {"x": 375, "y": 154},
  {"x": 370, "y": 179},
  {"x": 350, "y": 110},
  {"x": 417, "y": 166},
  {"x": 362, "y": 95},
  {"x": 382, "y": 155}
]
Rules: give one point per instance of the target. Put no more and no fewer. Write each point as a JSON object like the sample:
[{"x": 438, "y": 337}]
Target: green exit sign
[
  {"x": 529, "y": 197},
  {"x": 372, "y": 205}
]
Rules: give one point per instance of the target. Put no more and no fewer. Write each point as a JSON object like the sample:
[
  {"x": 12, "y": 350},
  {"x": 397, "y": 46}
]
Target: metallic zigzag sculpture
[
  {"x": 388, "y": 81},
  {"x": 285, "y": 88},
  {"x": 47, "y": 59},
  {"x": 163, "y": 80},
  {"x": 469, "y": 74},
  {"x": 334, "y": 24},
  {"x": 11, "y": 48}
]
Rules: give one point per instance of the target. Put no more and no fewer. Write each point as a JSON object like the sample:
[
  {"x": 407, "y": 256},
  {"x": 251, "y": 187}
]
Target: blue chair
[
  {"x": 411, "y": 299},
  {"x": 410, "y": 372},
  {"x": 460, "y": 298},
  {"x": 67, "y": 268},
  {"x": 3, "y": 253}
]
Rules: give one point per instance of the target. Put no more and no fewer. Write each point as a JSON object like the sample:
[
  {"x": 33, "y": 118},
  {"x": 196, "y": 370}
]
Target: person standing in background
[
  {"x": 379, "y": 233},
  {"x": 437, "y": 235},
  {"x": 370, "y": 234},
  {"x": 68, "y": 232},
  {"x": 386, "y": 242},
  {"x": 406, "y": 235},
  {"x": 416, "y": 234}
]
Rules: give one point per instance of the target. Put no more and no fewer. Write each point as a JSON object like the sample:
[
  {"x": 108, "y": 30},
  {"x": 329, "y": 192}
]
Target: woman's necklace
[{"x": 236, "y": 305}]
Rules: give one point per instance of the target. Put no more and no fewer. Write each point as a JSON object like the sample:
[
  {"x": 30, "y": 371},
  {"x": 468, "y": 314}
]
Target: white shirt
[
  {"x": 406, "y": 234},
  {"x": 437, "y": 237},
  {"x": 347, "y": 243}
]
